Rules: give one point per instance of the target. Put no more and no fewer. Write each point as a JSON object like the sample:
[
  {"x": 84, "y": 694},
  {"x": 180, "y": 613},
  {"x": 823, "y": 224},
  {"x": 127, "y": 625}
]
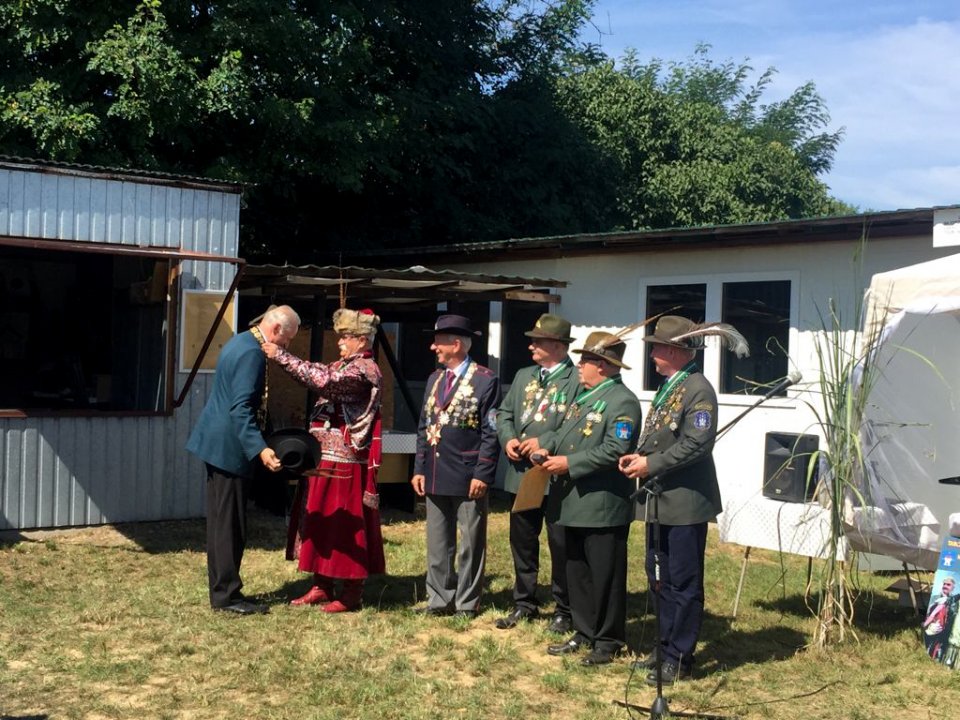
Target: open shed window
[{"x": 83, "y": 331}]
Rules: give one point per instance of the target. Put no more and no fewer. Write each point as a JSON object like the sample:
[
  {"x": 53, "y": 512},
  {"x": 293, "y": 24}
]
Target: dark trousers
[
  {"x": 525, "y": 528},
  {"x": 682, "y": 550},
  {"x": 226, "y": 534},
  {"x": 597, "y": 577}
]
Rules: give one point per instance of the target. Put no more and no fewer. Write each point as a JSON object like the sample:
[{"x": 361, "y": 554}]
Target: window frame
[
  {"x": 175, "y": 258},
  {"x": 713, "y": 308}
]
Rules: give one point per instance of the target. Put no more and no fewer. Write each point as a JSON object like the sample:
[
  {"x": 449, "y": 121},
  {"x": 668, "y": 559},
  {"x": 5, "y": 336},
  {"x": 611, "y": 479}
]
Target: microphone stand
[
  {"x": 779, "y": 387},
  {"x": 658, "y": 708}
]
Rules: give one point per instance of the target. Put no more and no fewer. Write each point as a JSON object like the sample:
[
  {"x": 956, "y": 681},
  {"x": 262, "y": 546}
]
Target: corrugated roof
[
  {"x": 112, "y": 173},
  {"x": 822, "y": 228},
  {"x": 416, "y": 284}
]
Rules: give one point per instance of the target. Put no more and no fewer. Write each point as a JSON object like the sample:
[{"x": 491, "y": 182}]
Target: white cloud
[{"x": 890, "y": 75}]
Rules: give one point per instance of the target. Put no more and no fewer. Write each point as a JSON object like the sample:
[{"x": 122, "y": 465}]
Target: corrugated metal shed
[{"x": 67, "y": 470}]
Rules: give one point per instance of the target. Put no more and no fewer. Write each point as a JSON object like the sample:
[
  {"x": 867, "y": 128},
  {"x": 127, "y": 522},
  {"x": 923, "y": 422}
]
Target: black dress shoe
[
  {"x": 561, "y": 624},
  {"x": 670, "y": 673},
  {"x": 244, "y": 607},
  {"x": 598, "y": 657},
  {"x": 518, "y": 614},
  {"x": 648, "y": 662},
  {"x": 570, "y": 646}
]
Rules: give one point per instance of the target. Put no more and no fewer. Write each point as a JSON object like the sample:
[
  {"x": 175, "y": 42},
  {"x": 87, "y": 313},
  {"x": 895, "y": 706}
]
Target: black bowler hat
[
  {"x": 454, "y": 325},
  {"x": 296, "y": 448}
]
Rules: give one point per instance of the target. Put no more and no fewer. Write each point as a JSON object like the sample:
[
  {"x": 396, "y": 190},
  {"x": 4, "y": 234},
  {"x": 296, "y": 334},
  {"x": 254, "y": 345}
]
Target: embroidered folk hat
[
  {"x": 551, "y": 327},
  {"x": 355, "y": 322},
  {"x": 605, "y": 346},
  {"x": 296, "y": 448},
  {"x": 454, "y": 325},
  {"x": 670, "y": 327}
]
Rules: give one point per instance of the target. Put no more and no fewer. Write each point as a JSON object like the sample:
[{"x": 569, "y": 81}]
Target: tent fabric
[{"x": 911, "y": 432}]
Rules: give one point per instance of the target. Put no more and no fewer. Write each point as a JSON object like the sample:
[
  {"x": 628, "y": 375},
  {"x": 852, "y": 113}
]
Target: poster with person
[{"x": 941, "y": 632}]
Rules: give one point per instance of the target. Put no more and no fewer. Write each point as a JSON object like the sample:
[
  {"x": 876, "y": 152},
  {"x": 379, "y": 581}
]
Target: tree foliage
[{"x": 380, "y": 123}]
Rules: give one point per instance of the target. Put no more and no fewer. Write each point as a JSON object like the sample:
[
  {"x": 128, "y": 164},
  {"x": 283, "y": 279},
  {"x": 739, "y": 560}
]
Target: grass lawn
[{"x": 113, "y": 622}]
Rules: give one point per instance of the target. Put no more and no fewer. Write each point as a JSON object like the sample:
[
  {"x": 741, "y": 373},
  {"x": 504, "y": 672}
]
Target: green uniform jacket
[
  {"x": 594, "y": 493},
  {"x": 531, "y": 409},
  {"x": 678, "y": 439}
]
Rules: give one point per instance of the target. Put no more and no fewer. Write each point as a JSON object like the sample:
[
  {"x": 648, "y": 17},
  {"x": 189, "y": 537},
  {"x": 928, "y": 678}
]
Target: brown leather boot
[
  {"x": 351, "y": 597},
  {"x": 320, "y": 594}
]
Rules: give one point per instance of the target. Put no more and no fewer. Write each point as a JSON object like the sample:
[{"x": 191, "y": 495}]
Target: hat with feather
[
  {"x": 606, "y": 346},
  {"x": 679, "y": 332}
]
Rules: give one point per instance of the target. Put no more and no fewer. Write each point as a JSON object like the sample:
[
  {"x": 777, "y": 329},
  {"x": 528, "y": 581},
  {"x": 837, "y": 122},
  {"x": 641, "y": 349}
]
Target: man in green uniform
[
  {"x": 590, "y": 498},
  {"x": 676, "y": 447},
  {"x": 535, "y": 404}
]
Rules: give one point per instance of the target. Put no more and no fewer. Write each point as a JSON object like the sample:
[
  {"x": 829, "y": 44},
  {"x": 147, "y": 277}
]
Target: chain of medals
[
  {"x": 596, "y": 410},
  {"x": 540, "y": 398},
  {"x": 262, "y": 410},
  {"x": 453, "y": 409},
  {"x": 667, "y": 401}
]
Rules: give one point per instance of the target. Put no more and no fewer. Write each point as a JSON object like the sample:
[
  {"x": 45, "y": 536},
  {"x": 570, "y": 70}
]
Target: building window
[
  {"x": 688, "y": 300},
  {"x": 759, "y": 309},
  {"x": 82, "y": 331},
  {"x": 761, "y": 312},
  {"x": 518, "y": 319}
]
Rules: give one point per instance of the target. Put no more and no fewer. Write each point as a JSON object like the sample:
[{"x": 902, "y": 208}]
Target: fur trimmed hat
[{"x": 355, "y": 322}]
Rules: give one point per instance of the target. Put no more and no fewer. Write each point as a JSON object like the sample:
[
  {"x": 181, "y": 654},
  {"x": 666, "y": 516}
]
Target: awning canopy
[{"x": 401, "y": 288}]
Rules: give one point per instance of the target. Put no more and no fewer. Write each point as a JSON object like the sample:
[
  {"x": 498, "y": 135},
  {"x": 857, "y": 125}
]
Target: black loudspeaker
[{"x": 787, "y": 458}]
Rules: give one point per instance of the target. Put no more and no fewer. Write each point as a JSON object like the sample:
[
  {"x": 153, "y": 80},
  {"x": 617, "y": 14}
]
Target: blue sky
[{"x": 888, "y": 71}]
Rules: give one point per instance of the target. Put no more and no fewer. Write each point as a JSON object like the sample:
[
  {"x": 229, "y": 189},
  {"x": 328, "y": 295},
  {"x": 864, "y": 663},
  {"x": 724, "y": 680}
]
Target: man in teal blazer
[
  {"x": 535, "y": 404},
  {"x": 229, "y": 439},
  {"x": 590, "y": 498}
]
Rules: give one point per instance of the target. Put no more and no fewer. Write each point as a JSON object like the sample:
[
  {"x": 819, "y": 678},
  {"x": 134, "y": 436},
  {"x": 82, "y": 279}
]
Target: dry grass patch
[{"x": 114, "y": 623}]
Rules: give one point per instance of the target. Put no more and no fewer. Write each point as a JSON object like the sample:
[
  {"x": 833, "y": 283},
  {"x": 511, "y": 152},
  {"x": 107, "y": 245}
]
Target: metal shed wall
[{"x": 62, "y": 471}]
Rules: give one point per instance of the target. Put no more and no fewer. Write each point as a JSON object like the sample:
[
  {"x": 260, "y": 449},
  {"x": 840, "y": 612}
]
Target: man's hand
[
  {"x": 634, "y": 466},
  {"x": 556, "y": 465},
  {"x": 478, "y": 488},
  {"x": 512, "y": 449},
  {"x": 270, "y": 460},
  {"x": 530, "y": 445},
  {"x": 418, "y": 481},
  {"x": 270, "y": 349}
]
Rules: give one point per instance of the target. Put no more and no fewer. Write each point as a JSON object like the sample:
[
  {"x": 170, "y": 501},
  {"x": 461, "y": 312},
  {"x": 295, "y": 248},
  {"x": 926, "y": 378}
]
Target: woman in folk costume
[{"x": 335, "y": 524}]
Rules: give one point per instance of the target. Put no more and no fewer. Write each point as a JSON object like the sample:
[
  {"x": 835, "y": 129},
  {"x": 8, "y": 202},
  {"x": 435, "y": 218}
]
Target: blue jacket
[
  {"x": 457, "y": 439},
  {"x": 226, "y": 435}
]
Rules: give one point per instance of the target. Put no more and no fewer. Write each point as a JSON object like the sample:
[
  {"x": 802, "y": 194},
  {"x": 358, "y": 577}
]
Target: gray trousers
[{"x": 455, "y": 586}]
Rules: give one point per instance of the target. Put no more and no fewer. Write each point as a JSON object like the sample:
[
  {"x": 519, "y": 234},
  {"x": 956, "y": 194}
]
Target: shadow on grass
[{"x": 875, "y": 614}]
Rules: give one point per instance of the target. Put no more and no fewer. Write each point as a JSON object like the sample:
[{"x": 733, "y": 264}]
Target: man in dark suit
[
  {"x": 676, "y": 447},
  {"x": 535, "y": 404},
  {"x": 456, "y": 463},
  {"x": 590, "y": 498},
  {"x": 228, "y": 437}
]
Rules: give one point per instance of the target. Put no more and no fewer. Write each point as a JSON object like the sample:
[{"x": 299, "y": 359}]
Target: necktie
[
  {"x": 448, "y": 383},
  {"x": 543, "y": 374}
]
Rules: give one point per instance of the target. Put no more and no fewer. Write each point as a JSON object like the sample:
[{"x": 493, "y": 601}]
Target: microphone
[{"x": 792, "y": 379}]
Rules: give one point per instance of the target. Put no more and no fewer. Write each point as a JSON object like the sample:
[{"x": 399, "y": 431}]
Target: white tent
[{"x": 911, "y": 437}]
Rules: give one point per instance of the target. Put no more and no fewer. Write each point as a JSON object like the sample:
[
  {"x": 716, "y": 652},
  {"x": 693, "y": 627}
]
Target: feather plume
[
  {"x": 729, "y": 336},
  {"x": 621, "y": 334}
]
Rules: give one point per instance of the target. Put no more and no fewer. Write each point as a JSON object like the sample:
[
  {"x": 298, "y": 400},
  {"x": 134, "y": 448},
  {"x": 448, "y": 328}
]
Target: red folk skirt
[{"x": 331, "y": 532}]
